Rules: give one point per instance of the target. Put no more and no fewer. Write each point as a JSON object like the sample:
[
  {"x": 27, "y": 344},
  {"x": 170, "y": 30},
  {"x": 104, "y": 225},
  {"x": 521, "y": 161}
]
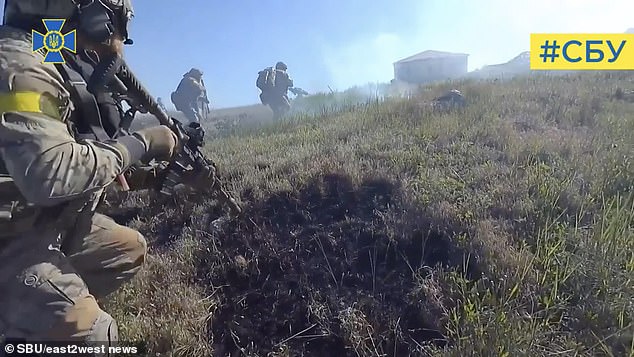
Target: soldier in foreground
[
  {"x": 274, "y": 84},
  {"x": 190, "y": 96},
  {"x": 58, "y": 257}
]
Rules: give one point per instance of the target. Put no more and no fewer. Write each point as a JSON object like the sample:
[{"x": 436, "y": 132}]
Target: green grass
[{"x": 506, "y": 229}]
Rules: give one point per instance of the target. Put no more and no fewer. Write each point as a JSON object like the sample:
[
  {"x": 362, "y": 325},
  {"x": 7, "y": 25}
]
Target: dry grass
[{"x": 506, "y": 229}]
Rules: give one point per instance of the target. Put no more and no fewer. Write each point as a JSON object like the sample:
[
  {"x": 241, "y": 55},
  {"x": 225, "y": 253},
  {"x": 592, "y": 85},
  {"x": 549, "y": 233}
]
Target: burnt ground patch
[
  {"x": 164, "y": 217},
  {"x": 327, "y": 270}
]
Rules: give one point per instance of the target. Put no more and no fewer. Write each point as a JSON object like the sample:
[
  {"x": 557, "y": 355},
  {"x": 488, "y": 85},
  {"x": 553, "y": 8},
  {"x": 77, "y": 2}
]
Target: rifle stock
[{"x": 190, "y": 141}]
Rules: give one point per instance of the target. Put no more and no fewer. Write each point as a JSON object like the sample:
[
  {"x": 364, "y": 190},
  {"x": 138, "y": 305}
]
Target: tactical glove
[
  {"x": 140, "y": 177},
  {"x": 202, "y": 179},
  {"x": 160, "y": 143}
]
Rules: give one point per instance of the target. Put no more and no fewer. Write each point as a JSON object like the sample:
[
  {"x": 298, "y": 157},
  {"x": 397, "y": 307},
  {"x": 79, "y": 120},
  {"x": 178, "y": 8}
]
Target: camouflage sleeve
[
  {"x": 49, "y": 166},
  {"x": 46, "y": 163},
  {"x": 288, "y": 81}
]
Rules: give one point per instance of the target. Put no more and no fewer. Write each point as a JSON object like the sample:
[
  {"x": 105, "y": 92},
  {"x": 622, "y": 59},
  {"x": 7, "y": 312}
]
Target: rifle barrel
[{"x": 147, "y": 101}]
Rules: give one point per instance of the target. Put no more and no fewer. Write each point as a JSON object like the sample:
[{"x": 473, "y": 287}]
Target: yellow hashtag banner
[{"x": 582, "y": 51}]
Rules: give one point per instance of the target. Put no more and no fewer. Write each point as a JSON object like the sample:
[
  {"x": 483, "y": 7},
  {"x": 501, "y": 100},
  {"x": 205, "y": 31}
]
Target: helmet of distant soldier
[
  {"x": 281, "y": 66},
  {"x": 194, "y": 72},
  {"x": 96, "y": 20}
]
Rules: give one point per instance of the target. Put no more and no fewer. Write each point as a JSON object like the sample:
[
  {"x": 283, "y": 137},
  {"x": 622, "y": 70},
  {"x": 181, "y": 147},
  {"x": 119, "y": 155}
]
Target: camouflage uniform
[
  {"x": 57, "y": 256},
  {"x": 191, "y": 95},
  {"x": 277, "y": 97}
]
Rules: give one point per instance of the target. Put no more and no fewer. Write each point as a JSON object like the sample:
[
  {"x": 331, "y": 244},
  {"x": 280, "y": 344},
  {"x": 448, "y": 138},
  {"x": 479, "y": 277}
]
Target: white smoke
[
  {"x": 490, "y": 31},
  {"x": 365, "y": 60}
]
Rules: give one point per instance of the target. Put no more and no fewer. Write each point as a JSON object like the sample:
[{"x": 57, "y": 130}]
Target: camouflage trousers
[
  {"x": 192, "y": 114},
  {"x": 279, "y": 105},
  {"x": 49, "y": 289}
]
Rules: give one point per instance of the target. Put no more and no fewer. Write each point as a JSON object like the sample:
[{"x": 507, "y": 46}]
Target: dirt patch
[
  {"x": 321, "y": 273},
  {"x": 164, "y": 218},
  {"x": 327, "y": 270}
]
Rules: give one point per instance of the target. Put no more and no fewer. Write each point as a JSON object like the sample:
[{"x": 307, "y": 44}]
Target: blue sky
[{"x": 338, "y": 43}]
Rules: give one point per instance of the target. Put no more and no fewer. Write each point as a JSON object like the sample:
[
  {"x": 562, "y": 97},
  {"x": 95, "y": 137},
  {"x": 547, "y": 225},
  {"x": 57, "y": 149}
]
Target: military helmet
[
  {"x": 281, "y": 65},
  {"x": 195, "y": 72},
  {"x": 96, "y": 19}
]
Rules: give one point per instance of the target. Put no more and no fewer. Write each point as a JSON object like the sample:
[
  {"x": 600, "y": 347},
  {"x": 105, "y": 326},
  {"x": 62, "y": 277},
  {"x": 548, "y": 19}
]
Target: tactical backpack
[
  {"x": 178, "y": 97},
  {"x": 266, "y": 79},
  {"x": 177, "y": 100}
]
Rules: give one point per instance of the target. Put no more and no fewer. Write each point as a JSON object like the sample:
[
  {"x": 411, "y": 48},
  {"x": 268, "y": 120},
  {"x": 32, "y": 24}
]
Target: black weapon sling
[
  {"x": 91, "y": 125},
  {"x": 88, "y": 118}
]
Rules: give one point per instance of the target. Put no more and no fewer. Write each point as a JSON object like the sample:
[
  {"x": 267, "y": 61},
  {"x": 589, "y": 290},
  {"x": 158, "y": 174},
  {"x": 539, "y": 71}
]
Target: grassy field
[
  {"x": 245, "y": 115},
  {"x": 388, "y": 229}
]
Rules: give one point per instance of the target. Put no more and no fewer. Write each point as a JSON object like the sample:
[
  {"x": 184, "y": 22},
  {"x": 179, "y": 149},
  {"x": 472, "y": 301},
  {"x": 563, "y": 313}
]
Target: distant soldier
[
  {"x": 159, "y": 100},
  {"x": 452, "y": 98},
  {"x": 190, "y": 96},
  {"x": 274, "y": 84}
]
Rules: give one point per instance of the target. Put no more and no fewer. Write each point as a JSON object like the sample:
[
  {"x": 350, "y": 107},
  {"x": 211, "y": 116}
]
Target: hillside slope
[
  {"x": 247, "y": 114},
  {"x": 392, "y": 230}
]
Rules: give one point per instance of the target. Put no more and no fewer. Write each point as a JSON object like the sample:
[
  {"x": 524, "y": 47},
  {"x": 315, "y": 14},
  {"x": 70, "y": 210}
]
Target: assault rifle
[
  {"x": 191, "y": 138},
  {"x": 203, "y": 102},
  {"x": 298, "y": 91}
]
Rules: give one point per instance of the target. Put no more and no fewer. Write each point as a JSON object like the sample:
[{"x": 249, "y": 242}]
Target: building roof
[
  {"x": 524, "y": 57},
  {"x": 429, "y": 54}
]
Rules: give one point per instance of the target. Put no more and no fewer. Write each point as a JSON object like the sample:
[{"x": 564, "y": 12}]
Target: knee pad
[
  {"x": 135, "y": 246},
  {"x": 142, "y": 249},
  {"x": 104, "y": 330}
]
